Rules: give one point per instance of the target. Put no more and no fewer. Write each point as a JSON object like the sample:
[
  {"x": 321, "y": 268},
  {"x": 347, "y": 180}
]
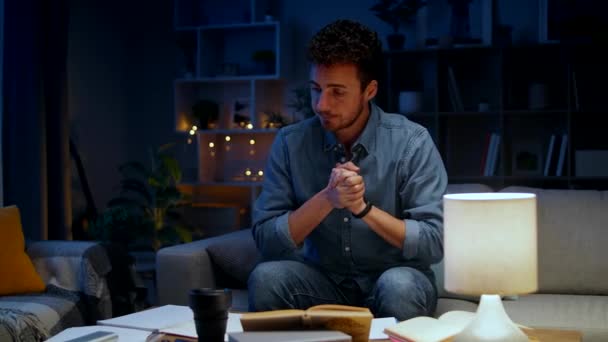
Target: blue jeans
[{"x": 400, "y": 292}]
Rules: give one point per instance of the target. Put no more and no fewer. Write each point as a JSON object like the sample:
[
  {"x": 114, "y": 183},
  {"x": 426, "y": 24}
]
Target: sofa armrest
[
  {"x": 78, "y": 266},
  {"x": 187, "y": 266}
]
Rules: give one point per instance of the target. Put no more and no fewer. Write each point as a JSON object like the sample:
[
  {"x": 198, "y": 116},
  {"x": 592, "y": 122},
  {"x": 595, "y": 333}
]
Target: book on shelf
[
  {"x": 562, "y": 155},
  {"x": 549, "y": 155},
  {"x": 454, "y": 92},
  {"x": 490, "y": 154},
  {"x": 351, "y": 320}
]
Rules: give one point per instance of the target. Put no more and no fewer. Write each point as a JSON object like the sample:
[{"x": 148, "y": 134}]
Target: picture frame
[
  {"x": 527, "y": 158},
  {"x": 240, "y": 113}
]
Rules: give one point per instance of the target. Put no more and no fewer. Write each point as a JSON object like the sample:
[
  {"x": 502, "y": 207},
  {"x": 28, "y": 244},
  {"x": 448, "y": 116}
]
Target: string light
[
  {"x": 249, "y": 126},
  {"x": 227, "y": 138},
  {"x": 192, "y": 132},
  {"x": 211, "y": 145},
  {"x": 251, "y": 142},
  {"x": 260, "y": 173},
  {"x": 248, "y": 172}
]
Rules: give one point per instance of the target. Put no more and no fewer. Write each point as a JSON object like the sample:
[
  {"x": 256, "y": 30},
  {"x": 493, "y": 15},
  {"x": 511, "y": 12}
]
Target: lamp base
[{"x": 491, "y": 323}]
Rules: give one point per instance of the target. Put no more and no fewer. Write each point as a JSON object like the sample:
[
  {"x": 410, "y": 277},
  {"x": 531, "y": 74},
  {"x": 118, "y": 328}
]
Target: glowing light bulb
[
  {"x": 260, "y": 173},
  {"x": 249, "y": 126},
  {"x": 251, "y": 142},
  {"x": 248, "y": 172},
  {"x": 227, "y": 138},
  {"x": 192, "y": 132},
  {"x": 189, "y": 141},
  {"x": 211, "y": 145},
  {"x": 194, "y": 128}
]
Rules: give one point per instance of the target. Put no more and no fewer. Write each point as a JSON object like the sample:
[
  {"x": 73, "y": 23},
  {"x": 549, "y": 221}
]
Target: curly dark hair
[{"x": 345, "y": 42}]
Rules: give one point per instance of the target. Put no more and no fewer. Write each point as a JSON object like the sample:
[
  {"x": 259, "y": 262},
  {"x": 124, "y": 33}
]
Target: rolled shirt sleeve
[
  {"x": 272, "y": 207},
  {"x": 424, "y": 182}
]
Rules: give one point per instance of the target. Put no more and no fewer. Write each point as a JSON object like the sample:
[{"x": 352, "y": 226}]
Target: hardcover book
[{"x": 351, "y": 320}]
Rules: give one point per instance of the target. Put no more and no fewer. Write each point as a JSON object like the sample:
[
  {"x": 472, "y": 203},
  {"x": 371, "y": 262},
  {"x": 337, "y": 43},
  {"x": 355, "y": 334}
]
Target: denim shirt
[{"x": 403, "y": 174}]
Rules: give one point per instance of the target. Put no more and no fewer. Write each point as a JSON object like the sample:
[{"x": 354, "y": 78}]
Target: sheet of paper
[
  {"x": 189, "y": 329},
  {"x": 153, "y": 319},
  {"x": 131, "y": 335},
  {"x": 378, "y": 324}
]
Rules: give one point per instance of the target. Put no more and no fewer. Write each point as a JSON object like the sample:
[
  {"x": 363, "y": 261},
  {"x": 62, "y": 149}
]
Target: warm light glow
[
  {"x": 490, "y": 249},
  {"x": 192, "y": 132},
  {"x": 249, "y": 126},
  {"x": 251, "y": 152},
  {"x": 228, "y": 148},
  {"x": 211, "y": 145},
  {"x": 194, "y": 128},
  {"x": 189, "y": 141},
  {"x": 251, "y": 142},
  {"x": 260, "y": 173},
  {"x": 227, "y": 138},
  {"x": 213, "y": 154},
  {"x": 490, "y": 243},
  {"x": 248, "y": 172}
]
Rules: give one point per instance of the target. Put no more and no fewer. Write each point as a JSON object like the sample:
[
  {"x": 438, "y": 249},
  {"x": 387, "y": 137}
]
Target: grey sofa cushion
[
  {"x": 572, "y": 240},
  {"x": 235, "y": 255}
]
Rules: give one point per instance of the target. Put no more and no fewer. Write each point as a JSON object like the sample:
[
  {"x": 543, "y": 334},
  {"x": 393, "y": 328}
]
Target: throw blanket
[{"x": 76, "y": 293}]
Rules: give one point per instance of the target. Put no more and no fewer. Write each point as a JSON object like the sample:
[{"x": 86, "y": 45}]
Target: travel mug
[{"x": 210, "y": 308}]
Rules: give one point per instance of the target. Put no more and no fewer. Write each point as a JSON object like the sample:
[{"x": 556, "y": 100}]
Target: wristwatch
[{"x": 368, "y": 208}]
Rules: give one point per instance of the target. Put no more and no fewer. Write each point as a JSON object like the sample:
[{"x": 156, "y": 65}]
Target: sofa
[
  {"x": 573, "y": 274},
  {"x": 76, "y": 292}
]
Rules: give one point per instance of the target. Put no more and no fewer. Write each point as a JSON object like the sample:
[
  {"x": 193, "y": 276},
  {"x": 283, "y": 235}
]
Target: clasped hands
[{"x": 346, "y": 188}]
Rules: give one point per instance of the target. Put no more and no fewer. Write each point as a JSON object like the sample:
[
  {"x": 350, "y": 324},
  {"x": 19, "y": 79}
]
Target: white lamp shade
[{"x": 490, "y": 243}]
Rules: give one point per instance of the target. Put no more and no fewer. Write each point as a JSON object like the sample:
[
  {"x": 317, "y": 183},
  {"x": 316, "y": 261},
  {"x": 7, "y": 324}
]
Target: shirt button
[
  {"x": 347, "y": 248},
  {"x": 346, "y": 219}
]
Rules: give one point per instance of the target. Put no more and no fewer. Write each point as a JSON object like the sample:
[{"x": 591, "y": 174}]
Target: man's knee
[
  {"x": 403, "y": 293},
  {"x": 265, "y": 285}
]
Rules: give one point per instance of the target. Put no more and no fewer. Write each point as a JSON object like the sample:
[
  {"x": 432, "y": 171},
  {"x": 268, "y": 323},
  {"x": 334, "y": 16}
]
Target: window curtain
[
  {"x": 35, "y": 137},
  {"x": 1, "y": 93}
]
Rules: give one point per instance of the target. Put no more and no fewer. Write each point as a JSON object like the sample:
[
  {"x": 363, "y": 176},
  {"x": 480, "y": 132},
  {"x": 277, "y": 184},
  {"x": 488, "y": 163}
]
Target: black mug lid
[{"x": 209, "y": 299}]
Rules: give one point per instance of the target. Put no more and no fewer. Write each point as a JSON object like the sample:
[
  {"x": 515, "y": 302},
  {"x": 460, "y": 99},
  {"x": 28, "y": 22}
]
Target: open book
[
  {"x": 351, "y": 320},
  {"x": 428, "y": 329}
]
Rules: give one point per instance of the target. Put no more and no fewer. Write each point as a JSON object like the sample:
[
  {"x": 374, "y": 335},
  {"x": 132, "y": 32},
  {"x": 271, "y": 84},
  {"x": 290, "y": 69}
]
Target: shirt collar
[{"x": 366, "y": 139}]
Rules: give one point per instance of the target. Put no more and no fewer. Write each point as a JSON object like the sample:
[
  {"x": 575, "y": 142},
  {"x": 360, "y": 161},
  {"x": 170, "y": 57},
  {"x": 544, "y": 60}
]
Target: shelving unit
[
  {"x": 530, "y": 92},
  {"x": 231, "y": 57}
]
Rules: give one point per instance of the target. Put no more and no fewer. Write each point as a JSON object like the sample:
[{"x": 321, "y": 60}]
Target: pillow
[
  {"x": 17, "y": 273},
  {"x": 235, "y": 254}
]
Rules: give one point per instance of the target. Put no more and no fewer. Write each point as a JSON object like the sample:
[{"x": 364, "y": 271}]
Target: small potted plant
[{"x": 397, "y": 13}]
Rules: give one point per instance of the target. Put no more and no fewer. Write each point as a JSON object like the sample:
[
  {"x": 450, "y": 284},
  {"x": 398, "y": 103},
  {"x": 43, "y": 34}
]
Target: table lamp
[{"x": 490, "y": 250}]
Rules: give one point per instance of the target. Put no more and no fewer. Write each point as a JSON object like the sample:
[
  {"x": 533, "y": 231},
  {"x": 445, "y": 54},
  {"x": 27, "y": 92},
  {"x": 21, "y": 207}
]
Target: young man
[{"x": 350, "y": 211}]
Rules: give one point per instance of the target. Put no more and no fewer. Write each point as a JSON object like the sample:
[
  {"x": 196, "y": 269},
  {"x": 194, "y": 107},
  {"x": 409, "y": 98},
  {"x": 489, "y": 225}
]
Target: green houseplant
[
  {"x": 397, "y": 13},
  {"x": 146, "y": 213}
]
